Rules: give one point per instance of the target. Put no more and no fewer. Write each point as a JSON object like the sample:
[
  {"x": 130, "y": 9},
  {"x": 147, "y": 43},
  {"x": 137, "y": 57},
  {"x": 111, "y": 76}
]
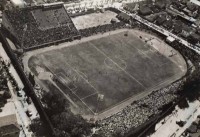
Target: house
[
  {"x": 9, "y": 131},
  {"x": 194, "y": 38},
  {"x": 193, "y": 128},
  {"x": 177, "y": 27},
  {"x": 170, "y": 39},
  {"x": 151, "y": 18},
  {"x": 124, "y": 17},
  {"x": 132, "y": 7},
  {"x": 186, "y": 31},
  {"x": 197, "y": 2},
  {"x": 18, "y": 3},
  {"x": 168, "y": 24},
  {"x": 145, "y": 10},
  {"x": 161, "y": 19},
  {"x": 160, "y": 4},
  {"x": 9, "y": 126},
  {"x": 155, "y": 9},
  {"x": 178, "y": 5},
  {"x": 191, "y": 6}
]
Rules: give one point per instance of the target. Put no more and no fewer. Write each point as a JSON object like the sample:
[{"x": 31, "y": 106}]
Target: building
[
  {"x": 144, "y": 10},
  {"x": 161, "y": 19},
  {"x": 9, "y": 131},
  {"x": 197, "y": 2},
  {"x": 177, "y": 27},
  {"x": 132, "y": 7},
  {"x": 124, "y": 17},
  {"x": 9, "y": 126},
  {"x": 160, "y": 4},
  {"x": 194, "y": 38},
  {"x": 18, "y": 3},
  {"x": 186, "y": 31},
  {"x": 170, "y": 39},
  {"x": 168, "y": 24}
]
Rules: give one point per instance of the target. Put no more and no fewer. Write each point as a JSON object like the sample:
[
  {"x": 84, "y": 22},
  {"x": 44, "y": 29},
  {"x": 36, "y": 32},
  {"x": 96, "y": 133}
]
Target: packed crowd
[
  {"x": 29, "y": 35},
  {"x": 51, "y": 18},
  {"x": 138, "y": 112},
  {"x": 101, "y": 29}
]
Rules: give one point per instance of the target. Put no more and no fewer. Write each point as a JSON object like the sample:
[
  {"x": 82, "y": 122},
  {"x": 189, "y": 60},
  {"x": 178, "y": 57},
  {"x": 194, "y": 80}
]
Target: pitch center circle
[{"x": 117, "y": 64}]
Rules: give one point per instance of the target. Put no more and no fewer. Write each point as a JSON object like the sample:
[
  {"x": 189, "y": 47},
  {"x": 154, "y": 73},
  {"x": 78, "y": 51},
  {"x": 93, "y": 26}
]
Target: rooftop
[
  {"x": 17, "y": 2},
  {"x": 8, "y": 109},
  {"x": 9, "y": 129}
]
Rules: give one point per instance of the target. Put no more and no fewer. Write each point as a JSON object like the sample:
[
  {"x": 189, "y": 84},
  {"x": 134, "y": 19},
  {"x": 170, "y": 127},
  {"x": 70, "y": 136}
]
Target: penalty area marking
[
  {"x": 86, "y": 80},
  {"x": 80, "y": 99}
]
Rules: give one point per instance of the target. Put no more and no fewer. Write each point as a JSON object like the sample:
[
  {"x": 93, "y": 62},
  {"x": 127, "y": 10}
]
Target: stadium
[
  {"x": 109, "y": 66},
  {"x": 98, "y": 60}
]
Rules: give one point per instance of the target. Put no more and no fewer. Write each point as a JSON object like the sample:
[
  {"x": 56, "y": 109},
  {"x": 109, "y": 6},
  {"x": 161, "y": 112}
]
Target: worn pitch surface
[
  {"x": 94, "y": 19},
  {"x": 117, "y": 67}
]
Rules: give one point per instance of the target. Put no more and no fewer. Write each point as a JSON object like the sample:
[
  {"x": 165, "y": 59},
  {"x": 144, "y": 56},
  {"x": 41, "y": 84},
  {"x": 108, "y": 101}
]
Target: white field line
[
  {"x": 123, "y": 61},
  {"x": 82, "y": 77},
  {"x": 142, "y": 52},
  {"x": 79, "y": 98},
  {"x": 62, "y": 75},
  {"x": 89, "y": 95},
  {"x": 76, "y": 86},
  {"x": 66, "y": 96},
  {"x": 118, "y": 66},
  {"x": 160, "y": 65},
  {"x": 72, "y": 90},
  {"x": 110, "y": 67},
  {"x": 86, "y": 82},
  {"x": 119, "y": 106}
]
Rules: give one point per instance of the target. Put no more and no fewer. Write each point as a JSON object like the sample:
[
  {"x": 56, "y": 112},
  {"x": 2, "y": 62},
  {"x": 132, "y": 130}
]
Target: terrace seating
[
  {"x": 101, "y": 29},
  {"x": 30, "y": 31},
  {"x": 138, "y": 112}
]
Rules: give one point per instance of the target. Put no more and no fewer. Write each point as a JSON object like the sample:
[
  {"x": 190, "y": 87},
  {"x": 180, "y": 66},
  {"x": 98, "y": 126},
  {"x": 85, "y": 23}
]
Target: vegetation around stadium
[{"x": 67, "y": 122}]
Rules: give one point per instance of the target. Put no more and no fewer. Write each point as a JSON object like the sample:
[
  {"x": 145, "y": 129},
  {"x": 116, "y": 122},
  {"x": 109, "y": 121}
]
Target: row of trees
[
  {"x": 191, "y": 88},
  {"x": 4, "y": 76},
  {"x": 66, "y": 123}
]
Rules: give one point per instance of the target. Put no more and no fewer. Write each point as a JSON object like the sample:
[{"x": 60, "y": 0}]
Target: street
[
  {"x": 20, "y": 103},
  {"x": 168, "y": 127}
]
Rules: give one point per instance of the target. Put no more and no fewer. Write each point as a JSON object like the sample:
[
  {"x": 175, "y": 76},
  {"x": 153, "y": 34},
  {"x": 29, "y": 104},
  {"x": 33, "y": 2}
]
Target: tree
[
  {"x": 6, "y": 95},
  {"x": 38, "y": 128},
  {"x": 55, "y": 102},
  {"x": 64, "y": 121},
  {"x": 31, "y": 79}
]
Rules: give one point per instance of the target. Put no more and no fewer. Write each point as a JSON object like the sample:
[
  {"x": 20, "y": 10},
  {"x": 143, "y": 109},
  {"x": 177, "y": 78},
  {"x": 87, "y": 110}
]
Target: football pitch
[{"x": 102, "y": 73}]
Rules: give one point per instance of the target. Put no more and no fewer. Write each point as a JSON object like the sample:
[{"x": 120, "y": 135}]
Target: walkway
[
  {"x": 20, "y": 104},
  {"x": 170, "y": 128}
]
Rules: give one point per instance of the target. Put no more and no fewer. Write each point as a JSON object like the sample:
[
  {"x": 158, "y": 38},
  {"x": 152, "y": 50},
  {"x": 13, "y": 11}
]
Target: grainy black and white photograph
[{"x": 99, "y": 68}]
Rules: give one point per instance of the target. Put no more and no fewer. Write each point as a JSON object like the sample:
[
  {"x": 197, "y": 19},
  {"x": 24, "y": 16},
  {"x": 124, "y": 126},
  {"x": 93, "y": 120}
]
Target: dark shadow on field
[{"x": 116, "y": 67}]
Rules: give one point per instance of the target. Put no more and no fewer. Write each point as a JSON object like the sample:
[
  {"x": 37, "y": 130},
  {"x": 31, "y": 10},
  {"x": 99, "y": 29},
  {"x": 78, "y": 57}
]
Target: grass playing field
[
  {"x": 94, "y": 19},
  {"x": 116, "y": 67}
]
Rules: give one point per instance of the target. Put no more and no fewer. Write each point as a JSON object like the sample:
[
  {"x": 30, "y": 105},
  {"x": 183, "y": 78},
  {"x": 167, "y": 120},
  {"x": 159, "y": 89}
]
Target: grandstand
[{"x": 39, "y": 26}]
